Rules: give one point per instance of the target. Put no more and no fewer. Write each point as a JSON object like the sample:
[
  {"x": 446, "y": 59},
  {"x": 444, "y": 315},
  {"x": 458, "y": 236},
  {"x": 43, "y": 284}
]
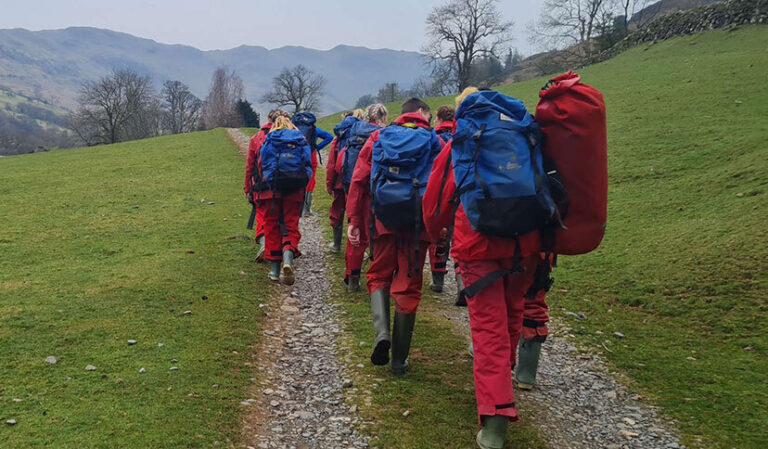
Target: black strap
[
  {"x": 252, "y": 218},
  {"x": 477, "y": 137},
  {"x": 488, "y": 280}
]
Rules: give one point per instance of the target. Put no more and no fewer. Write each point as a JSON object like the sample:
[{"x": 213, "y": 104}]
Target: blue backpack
[
  {"x": 357, "y": 135},
  {"x": 286, "y": 161},
  {"x": 446, "y": 135},
  {"x": 341, "y": 131},
  {"x": 401, "y": 162},
  {"x": 497, "y": 163},
  {"x": 305, "y": 121}
]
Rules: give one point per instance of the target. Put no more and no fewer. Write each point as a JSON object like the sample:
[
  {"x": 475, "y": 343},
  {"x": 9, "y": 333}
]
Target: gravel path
[
  {"x": 297, "y": 400},
  {"x": 300, "y": 395},
  {"x": 578, "y": 403}
]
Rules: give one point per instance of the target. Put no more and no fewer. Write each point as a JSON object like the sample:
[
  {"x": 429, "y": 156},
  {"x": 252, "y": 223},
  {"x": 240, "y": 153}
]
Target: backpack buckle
[{"x": 394, "y": 170}]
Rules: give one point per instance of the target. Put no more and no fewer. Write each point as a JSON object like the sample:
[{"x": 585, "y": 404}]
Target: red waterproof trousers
[
  {"x": 496, "y": 318},
  {"x": 438, "y": 264},
  {"x": 536, "y": 317},
  {"x": 336, "y": 213},
  {"x": 393, "y": 267},
  {"x": 277, "y": 237},
  {"x": 261, "y": 214},
  {"x": 354, "y": 255}
]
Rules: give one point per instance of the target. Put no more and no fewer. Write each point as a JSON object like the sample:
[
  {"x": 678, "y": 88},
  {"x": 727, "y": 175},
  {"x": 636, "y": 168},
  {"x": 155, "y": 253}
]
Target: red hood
[
  {"x": 445, "y": 126},
  {"x": 412, "y": 117},
  {"x": 266, "y": 127}
]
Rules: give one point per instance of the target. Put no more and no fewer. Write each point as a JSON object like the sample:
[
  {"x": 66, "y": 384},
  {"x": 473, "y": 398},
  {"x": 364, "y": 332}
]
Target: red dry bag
[{"x": 572, "y": 117}]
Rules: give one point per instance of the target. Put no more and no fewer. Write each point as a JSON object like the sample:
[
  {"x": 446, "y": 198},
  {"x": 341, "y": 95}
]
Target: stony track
[
  {"x": 297, "y": 401},
  {"x": 579, "y": 403}
]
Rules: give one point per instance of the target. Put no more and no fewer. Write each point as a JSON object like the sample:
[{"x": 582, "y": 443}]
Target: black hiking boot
[
  {"x": 401, "y": 342},
  {"x": 381, "y": 322}
]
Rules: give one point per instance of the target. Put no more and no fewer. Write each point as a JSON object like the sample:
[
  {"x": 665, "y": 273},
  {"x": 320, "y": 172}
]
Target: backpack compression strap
[{"x": 488, "y": 280}]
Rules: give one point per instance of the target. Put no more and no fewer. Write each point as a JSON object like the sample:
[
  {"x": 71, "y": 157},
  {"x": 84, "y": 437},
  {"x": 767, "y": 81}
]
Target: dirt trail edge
[
  {"x": 297, "y": 400},
  {"x": 578, "y": 403}
]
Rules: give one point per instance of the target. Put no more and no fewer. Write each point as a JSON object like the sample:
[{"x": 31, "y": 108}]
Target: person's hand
[{"x": 353, "y": 234}]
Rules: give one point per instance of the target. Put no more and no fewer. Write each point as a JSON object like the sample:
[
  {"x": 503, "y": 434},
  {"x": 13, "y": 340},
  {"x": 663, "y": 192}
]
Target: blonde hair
[
  {"x": 377, "y": 113},
  {"x": 282, "y": 121},
  {"x": 467, "y": 92},
  {"x": 359, "y": 114}
]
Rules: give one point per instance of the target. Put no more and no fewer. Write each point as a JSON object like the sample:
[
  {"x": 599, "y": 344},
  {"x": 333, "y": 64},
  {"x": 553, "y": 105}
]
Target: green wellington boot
[
  {"x": 401, "y": 342},
  {"x": 287, "y": 275},
  {"x": 528, "y": 353},
  {"x": 308, "y": 205},
  {"x": 262, "y": 246},
  {"x": 336, "y": 245},
  {"x": 494, "y": 432},
  {"x": 461, "y": 299},
  {"x": 380, "y": 313},
  {"x": 438, "y": 280},
  {"x": 353, "y": 284},
  {"x": 274, "y": 272}
]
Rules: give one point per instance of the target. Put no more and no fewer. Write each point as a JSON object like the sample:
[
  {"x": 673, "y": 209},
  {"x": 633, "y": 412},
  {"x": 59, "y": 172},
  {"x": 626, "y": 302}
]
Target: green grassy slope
[
  {"x": 683, "y": 270},
  {"x": 82, "y": 270}
]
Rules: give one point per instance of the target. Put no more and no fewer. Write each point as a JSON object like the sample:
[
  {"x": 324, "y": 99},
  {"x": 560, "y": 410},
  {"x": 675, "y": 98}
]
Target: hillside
[
  {"x": 683, "y": 270},
  {"x": 119, "y": 245},
  {"x": 51, "y": 65}
]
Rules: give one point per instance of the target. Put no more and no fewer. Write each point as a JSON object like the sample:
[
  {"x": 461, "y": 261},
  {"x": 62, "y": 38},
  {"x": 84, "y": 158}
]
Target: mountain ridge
[{"x": 55, "y": 63}]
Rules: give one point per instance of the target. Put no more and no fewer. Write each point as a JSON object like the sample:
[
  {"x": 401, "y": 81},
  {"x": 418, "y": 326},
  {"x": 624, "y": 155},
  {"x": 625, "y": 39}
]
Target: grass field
[
  {"x": 683, "y": 269},
  {"x": 93, "y": 252}
]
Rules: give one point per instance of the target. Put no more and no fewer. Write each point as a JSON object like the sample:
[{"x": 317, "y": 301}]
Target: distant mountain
[{"x": 51, "y": 65}]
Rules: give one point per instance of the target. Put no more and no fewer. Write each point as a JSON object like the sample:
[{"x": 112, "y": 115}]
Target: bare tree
[
  {"x": 220, "y": 105},
  {"x": 463, "y": 30},
  {"x": 120, "y": 106},
  {"x": 572, "y": 25},
  {"x": 389, "y": 93},
  {"x": 181, "y": 108},
  {"x": 298, "y": 87}
]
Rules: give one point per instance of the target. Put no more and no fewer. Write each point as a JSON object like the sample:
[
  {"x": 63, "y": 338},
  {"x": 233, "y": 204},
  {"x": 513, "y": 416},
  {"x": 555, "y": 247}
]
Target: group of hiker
[{"x": 488, "y": 186}]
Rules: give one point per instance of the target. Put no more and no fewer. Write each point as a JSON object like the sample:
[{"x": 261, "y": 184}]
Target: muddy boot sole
[
  {"x": 380, "y": 355},
  {"x": 287, "y": 275}
]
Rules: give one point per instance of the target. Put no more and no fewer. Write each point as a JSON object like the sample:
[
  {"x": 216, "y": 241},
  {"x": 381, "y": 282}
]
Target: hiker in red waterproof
[
  {"x": 253, "y": 148},
  {"x": 438, "y": 259},
  {"x": 306, "y": 123},
  {"x": 333, "y": 182},
  {"x": 390, "y": 175},
  {"x": 284, "y": 163},
  {"x": 498, "y": 264},
  {"x": 375, "y": 118}
]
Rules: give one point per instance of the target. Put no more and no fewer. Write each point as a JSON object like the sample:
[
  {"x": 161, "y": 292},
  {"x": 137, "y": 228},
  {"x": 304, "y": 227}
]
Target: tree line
[
  {"x": 470, "y": 42},
  {"x": 124, "y": 105}
]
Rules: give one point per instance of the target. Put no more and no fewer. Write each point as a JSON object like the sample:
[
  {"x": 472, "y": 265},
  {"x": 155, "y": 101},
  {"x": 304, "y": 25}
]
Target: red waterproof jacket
[
  {"x": 359, "y": 196},
  {"x": 332, "y": 177},
  {"x": 445, "y": 126},
  {"x": 468, "y": 244},
  {"x": 253, "y": 149}
]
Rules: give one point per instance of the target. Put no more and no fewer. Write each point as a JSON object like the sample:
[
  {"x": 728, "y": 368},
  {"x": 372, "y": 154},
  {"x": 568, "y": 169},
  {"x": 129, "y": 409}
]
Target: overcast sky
[{"x": 223, "y": 24}]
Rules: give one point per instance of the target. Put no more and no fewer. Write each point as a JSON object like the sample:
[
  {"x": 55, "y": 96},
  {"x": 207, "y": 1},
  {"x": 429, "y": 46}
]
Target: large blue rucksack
[
  {"x": 286, "y": 161},
  {"x": 356, "y": 137},
  {"x": 305, "y": 122},
  {"x": 401, "y": 162},
  {"x": 341, "y": 131},
  {"x": 446, "y": 135},
  {"x": 497, "y": 163}
]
